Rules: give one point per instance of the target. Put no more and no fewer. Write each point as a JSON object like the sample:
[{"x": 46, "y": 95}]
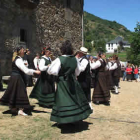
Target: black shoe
[
  {"x": 96, "y": 102},
  {"x": 107, "y": 103},
  {"x": 2, "y": 89}
]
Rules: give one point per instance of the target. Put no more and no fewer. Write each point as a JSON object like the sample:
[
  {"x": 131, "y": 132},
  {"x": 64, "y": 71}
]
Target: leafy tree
[
  {"x": 134, "y": 53},
  {"x": 88, "y": 46},
  {"x": 121, "y": 46},
  {"x": 100, "y": 45}
]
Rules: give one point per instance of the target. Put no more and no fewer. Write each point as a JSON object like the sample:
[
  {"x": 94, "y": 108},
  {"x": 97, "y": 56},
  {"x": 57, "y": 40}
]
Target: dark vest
[
  {"x": 17, "y": 71},
  {"x": 85, "y": 75},
  {"x": 117, "y": 72},
  {"x": 44, "y": 74},
  {"x": 102, "y": 67}
]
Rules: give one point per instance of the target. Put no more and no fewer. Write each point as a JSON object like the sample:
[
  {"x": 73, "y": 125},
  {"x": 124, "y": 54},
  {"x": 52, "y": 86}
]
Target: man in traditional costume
[{"x": 85, "y": 76}]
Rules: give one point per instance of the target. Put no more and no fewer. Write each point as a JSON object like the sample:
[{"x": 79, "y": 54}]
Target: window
[
  {"x": 23, "y": 35},
  {"x": 68, "y": 3}
]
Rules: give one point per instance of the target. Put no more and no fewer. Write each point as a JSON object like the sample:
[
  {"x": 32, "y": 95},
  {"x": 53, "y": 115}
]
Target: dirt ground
[{"x": 119, "y": 121}]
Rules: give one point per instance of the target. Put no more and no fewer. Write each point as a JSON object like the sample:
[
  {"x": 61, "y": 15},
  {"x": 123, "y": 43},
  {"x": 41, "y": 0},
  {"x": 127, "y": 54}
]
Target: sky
[{"x": 125, "y": 12}]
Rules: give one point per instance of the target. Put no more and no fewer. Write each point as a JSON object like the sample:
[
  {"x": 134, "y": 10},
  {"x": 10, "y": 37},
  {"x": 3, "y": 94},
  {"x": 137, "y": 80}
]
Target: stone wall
[{"x": 46, "y": 22}]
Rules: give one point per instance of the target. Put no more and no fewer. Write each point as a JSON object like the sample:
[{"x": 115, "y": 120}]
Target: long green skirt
[
  {"x": 44, "y": 92},
  {"x": 70, "y": 104}
]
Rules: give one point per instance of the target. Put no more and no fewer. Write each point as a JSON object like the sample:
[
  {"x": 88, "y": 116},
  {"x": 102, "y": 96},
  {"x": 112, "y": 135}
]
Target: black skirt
[
  {"x": 101, "y": 91},
  {"x": 16, "y": 94},
  {"x": 29, "y": 80},
  {"x": 129, "y": 76}
]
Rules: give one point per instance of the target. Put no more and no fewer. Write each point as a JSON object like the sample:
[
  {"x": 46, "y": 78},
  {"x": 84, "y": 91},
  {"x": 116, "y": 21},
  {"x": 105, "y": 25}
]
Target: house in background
[{"x": 113, "y": 45}]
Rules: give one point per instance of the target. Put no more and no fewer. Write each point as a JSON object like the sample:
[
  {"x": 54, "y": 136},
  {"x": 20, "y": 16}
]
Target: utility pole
[{"x": 83, "y": 29}]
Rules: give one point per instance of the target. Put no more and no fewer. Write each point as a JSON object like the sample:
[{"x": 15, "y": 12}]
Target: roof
[{"x": 117, "y": 40}]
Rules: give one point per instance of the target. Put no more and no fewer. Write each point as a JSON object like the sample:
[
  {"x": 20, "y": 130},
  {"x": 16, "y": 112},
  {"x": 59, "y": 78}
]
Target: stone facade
[{"x": 37, "y": 23}]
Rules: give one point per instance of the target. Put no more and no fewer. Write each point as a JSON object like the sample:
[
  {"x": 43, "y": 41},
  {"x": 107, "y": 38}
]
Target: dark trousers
[
  {"x": 116, "y": 81},
  {"x": 86, "y": 88}
]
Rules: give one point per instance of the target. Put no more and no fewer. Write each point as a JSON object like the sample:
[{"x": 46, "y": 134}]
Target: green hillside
[{"x": 101, "y": 30}]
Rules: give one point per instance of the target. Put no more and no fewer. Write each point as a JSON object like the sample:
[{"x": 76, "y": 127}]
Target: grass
[
  {"x": 106, "y": 123},
  {"x": 121, "y": 55},
  {"x": 35, "y": 127},
  {"x": 27, "y": 128}
]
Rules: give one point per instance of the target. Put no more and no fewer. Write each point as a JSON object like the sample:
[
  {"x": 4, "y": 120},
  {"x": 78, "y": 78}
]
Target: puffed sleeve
[
  {"x": 42, "y": 66},
  {"x": 113, "y": 67},
  {"x": 35, "y": 62},
  {"x": 77, "y": 70},
  {"x": 20, "y": 64},
  {"x": 54, "y": 68},
  {"x": 95, "y": 65}
]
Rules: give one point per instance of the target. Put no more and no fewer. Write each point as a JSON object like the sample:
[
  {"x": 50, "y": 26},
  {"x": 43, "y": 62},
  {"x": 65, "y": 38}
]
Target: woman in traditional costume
[
  {"x": 109, "y": 74},
  {"x": 44, "y": 88},
  {"x": 16, "y": 95},
  {"x": 70, "y": 104},
  {"x": 101, "y": 92},
  {"x": 116, "y": 74}
]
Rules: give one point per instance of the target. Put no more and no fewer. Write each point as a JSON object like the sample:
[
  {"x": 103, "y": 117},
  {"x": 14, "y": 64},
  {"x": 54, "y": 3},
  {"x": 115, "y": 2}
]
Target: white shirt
[
  {"x": 96, "y": 64},
  {"x": 109, "y": 64},
  {"x": 113, "y": 67},
  {"x": 42, "y": 66},
  {"x": 55, "y": 67},
  {"x": 20, "y": 64},
  {"x": 83, "y": 64},
  {"x": 26, "y": 62},
  {"x": 36, "y": 62}
]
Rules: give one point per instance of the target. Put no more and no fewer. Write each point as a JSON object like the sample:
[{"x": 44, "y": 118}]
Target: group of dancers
[{"x": 63, "y": 84}]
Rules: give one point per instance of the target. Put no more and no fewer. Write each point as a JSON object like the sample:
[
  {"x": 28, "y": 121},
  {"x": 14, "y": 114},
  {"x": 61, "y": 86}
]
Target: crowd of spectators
[{"x": 130, "y": 72}]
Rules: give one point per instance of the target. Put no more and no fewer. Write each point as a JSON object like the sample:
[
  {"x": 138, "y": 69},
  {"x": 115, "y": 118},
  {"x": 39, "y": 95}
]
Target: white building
[{"x": 113, "y": 45}]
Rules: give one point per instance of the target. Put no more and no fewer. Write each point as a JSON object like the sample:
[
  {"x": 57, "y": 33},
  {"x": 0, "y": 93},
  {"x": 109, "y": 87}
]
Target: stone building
[{"x": 37, "y": 23}]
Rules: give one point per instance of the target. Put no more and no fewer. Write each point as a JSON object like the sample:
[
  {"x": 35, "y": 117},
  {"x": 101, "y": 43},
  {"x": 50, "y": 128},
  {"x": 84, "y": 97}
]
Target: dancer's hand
[{"x": 38, "y": 72}]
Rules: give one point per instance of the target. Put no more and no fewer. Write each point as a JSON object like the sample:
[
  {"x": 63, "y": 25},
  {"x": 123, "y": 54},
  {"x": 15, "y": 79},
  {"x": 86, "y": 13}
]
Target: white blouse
[
  {"x": 36, "y": 62},
  {"x": 20, "y": 64},
  {"x": 42, "y": 66},
  {"x": 109, "y": 64},
  {"x": 96, "y": 64},
  {"x": 113, "y": 67},
  {"x": 55, "y": 67}
]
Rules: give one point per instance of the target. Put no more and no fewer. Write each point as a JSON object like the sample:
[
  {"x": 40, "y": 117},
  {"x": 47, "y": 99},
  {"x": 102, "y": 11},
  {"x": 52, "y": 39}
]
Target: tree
[
  {"x": 134, "y": 53},
  {"x": 121, "y": 46},
  {"x": 100, "y": 45}
]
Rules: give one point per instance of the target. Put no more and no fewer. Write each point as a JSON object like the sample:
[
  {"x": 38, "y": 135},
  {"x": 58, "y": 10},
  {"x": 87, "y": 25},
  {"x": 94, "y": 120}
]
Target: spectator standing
[
  {"x": 136, "y": 71},
  {"x": 129, "y": 73},
  {"x": 123, "y": 69}
]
